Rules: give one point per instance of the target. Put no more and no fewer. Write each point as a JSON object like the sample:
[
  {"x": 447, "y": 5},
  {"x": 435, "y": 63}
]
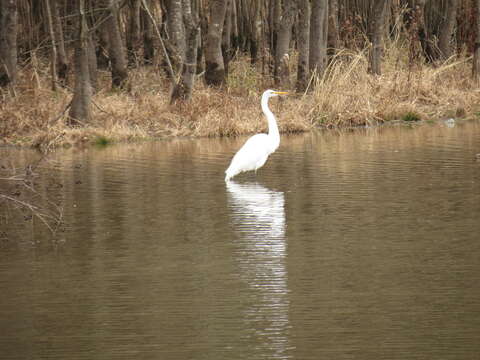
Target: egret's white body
[{"x": 254, "y": 153}]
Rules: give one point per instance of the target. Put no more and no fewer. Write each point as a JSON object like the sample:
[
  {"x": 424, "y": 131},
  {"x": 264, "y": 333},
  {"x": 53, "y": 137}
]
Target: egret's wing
[
  {"x": 252, "y": 152},
  {"x": 251, "y": 155}
]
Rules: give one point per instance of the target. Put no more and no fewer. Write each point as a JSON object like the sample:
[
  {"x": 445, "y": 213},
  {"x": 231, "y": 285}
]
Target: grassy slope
[{"x": 347, "y": 96}]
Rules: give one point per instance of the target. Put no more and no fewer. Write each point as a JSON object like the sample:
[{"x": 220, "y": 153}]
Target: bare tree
[
  {"x": 80, "y": 111},
  {"x": 376, "y": 30},
  {"x": 254, "y": 29},
  {"x": 234, "y": 36},
  {"x": 446, "y": 31},
  {"x": 92, "y": 62},
  {"x": 333, "y": 35},
  {"x": 215, "y": 67},
  {"x": 284, "y": 35},
  {"x": 176, "y": 33},
  {"x": 276, "y": 15},
  {"x": 134, "y": 30},
  {"x": 54, "y": 47},
  {"x": 426, "y": 35},
  {"x": 439, "y": 20},
  {"x": 183, "y": 88},
  {"x": 318, "y": 37},
  {"x": 8, "y": 44},
  {"x": 227, "y": 36},
  {"x": 147, "y": 35},
  {"x": 116, "y": 51},
  {"x": 62, "y": 63},
  {"x": 303, "y": 44},
  {"x": 476, "y": 51}
]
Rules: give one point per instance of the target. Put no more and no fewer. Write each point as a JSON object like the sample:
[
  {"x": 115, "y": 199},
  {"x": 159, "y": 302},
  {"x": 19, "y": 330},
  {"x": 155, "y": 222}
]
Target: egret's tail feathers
[
  {"x": 231, "y": 172},
  {"x": 228, "y": 175}
]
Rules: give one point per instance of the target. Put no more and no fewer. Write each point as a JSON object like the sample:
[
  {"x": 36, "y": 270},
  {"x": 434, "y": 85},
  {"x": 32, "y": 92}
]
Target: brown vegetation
[
  {"x": 352, "y": 63},
  {"x": 347, "y": 96}
]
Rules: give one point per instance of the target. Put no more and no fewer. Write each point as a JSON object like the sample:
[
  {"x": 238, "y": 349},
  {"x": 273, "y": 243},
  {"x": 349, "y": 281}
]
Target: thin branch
[
  {"x": 164, "y": 49},
  {"x": 35, "y": 210},
  {"x": 49, "y": 214}
]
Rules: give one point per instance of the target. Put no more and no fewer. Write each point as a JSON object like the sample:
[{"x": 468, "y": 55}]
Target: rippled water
[{"x": 348, "y": 245}]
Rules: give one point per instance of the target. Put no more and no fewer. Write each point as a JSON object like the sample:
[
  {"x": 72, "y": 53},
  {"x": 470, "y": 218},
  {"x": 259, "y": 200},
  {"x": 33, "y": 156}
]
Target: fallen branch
[{"x": 50, "y": 215}]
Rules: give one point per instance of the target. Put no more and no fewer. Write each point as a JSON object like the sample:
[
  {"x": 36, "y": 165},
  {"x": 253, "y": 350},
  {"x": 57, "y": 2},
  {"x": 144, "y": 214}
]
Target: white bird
[{"x": 254, "y": 153}]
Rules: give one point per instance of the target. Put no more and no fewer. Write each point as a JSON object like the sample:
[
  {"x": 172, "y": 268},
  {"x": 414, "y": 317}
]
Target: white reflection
[
  {"x": 450, "y": 123},
  {"x": 259, "y": 218}
]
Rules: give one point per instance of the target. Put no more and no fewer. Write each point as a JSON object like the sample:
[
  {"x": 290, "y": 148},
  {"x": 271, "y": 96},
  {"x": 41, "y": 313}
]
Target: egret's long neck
[{"x": 272, "y": 123}]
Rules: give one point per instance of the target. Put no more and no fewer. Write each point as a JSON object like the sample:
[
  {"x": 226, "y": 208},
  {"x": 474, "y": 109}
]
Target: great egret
[{"x": 254, "y": 153}]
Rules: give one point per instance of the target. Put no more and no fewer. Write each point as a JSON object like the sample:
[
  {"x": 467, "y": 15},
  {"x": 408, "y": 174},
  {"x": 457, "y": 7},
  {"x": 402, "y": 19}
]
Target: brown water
[{"x": 349, "y": 245}]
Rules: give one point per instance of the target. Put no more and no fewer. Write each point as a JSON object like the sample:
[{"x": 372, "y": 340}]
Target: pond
[{"x": 346, "y": 245}]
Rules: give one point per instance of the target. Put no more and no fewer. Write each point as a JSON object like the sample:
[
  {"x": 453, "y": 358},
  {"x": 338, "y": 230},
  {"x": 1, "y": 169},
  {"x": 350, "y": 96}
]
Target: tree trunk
[
  {"x": 226, "y": 36},
  {"x": 446, "y": 31},
  {"x": 276, "y": 13},
  {"x": 303, "y": 45},
  {"x": 116, "y": 52},
  {"x": 8, "y": 44},
  {"x": 284, "y": 35},
  {"x": 92, "y": 62},
  {"x": 183, "y": 89},
  {"x": 255, "y": 31},
  {"x": 318, "y": 37},
  {"x": 215, "y": 68},
  {"x": 439, "y": 27},
  {"x": 148, "y": 47},
  {"x": 176, "y": 33},
  {"x": 417, "y": 31},
  {"x": 234, "y": 33},
  {"x": 202, "y": 18},
  {"x": 375, "y": 33},
  {"x": 53, "y": 41},
  {"x": 243, "y": 23},
  {"x": 62, "y": 62},
  {"x": 133, "y": 37},
  {"x": 333, "y": 36},
  {"x": 103, "y": 61},
  {"x": 80, "y": 111},
  {"x": 476, "y": 52}
]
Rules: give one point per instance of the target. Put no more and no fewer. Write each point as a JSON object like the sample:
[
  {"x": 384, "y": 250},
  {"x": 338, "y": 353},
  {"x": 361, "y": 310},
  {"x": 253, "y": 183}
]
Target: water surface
[{"x": 348, "y": 245}]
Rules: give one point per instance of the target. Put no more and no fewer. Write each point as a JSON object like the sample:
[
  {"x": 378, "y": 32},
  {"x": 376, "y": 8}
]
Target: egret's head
[{"x": 272, "y": 93}]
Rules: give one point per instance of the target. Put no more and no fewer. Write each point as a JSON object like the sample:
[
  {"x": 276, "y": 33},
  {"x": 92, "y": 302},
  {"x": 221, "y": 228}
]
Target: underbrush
[{"x": 347, "y": 95}]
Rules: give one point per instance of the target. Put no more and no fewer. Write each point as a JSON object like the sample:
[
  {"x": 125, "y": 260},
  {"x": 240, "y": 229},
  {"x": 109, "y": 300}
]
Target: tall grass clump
[{"x": 348, "y": 95}]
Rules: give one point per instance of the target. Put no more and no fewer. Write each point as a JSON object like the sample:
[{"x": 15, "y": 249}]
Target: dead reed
[{"x": 347, "y": 95}]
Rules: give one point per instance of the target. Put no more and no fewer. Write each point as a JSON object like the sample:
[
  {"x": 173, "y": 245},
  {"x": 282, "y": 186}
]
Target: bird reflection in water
[{"x": 259, "y": 219}]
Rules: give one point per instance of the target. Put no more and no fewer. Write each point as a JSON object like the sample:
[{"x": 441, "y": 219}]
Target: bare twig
[
  {"x": 54, "y": 120},
  {"x": 50, "y": 218},
  {"x": 34, "y": 209},
  {"x": 164, "y": 49}
]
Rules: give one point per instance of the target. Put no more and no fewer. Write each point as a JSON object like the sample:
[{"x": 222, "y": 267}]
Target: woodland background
[{"x": 82, "y": 70}]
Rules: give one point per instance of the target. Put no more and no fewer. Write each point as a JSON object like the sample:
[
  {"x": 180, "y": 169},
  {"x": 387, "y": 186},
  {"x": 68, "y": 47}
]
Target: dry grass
[
  {"x": 349, "y": 96},
  {"x": 346, "y": 96}
]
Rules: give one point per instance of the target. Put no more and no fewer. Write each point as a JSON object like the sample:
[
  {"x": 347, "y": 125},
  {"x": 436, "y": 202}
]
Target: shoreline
[
  {"x": 97, "y": 142},
  {"x": 347, "y": 97}
]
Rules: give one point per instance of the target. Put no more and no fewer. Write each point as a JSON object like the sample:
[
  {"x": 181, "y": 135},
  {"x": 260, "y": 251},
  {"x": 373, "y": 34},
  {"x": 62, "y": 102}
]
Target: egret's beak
[{"x": 280, "y": 92}]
